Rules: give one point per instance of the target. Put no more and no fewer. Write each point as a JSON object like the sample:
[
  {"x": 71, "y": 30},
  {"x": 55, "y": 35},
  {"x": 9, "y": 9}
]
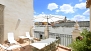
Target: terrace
[{"x": 49, "y": 44}]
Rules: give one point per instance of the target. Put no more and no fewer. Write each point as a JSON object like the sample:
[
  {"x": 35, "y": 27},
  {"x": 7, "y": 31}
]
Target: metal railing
[{"x": 65, "y": 39}]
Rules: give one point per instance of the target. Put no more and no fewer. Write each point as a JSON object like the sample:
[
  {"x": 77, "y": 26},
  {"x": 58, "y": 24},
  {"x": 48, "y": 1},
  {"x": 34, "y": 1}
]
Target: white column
[
  {"x": 90, "y": 17},
  {"x": 46, "y": 32}
]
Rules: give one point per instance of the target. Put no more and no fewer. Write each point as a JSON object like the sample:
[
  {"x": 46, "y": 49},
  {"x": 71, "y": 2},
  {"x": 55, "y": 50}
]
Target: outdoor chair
[
  {"x": 28, "y": 36},
  {"x": 10, "y": 48},
  {"x": 11, "y": 39}
]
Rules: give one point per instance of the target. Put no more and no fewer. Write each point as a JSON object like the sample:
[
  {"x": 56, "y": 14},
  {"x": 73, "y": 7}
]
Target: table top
[{"x": 23, "y": 37}]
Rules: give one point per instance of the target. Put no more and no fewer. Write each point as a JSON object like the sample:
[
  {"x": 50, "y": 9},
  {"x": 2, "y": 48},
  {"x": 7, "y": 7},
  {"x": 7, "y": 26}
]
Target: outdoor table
[{"x": 24, "y": 38}]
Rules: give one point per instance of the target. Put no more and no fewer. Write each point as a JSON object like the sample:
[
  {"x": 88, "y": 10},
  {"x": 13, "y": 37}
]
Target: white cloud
[
  {"x": 52, "y": 6},
  {"x": 40, "y": 15},
  {"x": 57, "y": 10},
  {"x": 80, "y": 18},
  {"x": 81, "y": 5},
  {"x": 66, "y": 8},
  {"x": 87, "y": 12},
  {"x": 80, "y": 0}
]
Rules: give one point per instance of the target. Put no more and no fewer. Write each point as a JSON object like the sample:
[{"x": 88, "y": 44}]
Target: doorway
[{"x": 41, "y": 36}]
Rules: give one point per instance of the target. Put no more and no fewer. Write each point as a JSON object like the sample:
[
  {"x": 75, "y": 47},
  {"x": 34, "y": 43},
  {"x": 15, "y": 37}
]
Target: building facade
[
  {"x": 88, "y": 5},
  {"x": 15, "y": 16},
  {"x": 64, "y": 28},
  {"x": 67, "y": 31}
]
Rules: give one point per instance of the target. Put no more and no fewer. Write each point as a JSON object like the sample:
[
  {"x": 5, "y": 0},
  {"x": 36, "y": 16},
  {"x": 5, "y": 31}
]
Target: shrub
[{"x": 84, "y": 44}]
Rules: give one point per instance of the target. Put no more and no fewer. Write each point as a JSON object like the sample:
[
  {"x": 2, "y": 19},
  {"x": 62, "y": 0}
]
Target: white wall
[{"x": 14, "y": 10}]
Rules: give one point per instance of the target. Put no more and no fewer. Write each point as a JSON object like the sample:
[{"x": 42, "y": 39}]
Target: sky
[{"x": 72, "y": 9}]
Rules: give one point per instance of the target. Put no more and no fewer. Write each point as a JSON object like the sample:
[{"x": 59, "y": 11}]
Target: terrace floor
[{"x": 27, "y": 47}]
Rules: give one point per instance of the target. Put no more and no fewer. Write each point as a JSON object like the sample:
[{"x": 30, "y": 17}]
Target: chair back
[
  {"x": 27, "y": 34},
  {"x": 11, "y": 38}
]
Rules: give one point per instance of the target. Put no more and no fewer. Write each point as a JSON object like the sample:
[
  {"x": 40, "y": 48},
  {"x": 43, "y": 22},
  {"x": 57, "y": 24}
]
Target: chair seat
[
  {"x": 13, "y": 42},
  {"x": 10, "y": 47},
  {"x": 31, "y": 38},
  {"x": 13, "y": 47}
]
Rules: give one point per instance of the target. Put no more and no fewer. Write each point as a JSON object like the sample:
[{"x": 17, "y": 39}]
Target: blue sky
[{"x": 72, "y": 9}]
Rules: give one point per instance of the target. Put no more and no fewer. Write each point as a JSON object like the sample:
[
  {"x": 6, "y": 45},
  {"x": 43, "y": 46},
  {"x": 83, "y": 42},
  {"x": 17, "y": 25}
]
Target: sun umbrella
[{"x": 49, "y": 18}]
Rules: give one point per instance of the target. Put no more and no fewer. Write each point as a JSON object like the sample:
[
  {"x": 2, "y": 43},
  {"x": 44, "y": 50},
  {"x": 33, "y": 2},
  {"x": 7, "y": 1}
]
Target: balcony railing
[{"x": 65, "y": 39}]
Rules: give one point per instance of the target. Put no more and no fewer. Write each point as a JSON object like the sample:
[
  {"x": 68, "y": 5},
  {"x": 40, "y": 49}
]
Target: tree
[{"x": 83, "y": 44}]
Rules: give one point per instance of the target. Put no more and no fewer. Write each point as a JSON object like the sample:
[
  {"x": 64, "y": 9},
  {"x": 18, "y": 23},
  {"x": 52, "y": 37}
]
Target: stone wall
[
  {"x": 18, "y": 15},
  {"x": 1, "y": 33},
  {"x": 1, "y": 23},
  {"x": 1, "y": 13}
]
